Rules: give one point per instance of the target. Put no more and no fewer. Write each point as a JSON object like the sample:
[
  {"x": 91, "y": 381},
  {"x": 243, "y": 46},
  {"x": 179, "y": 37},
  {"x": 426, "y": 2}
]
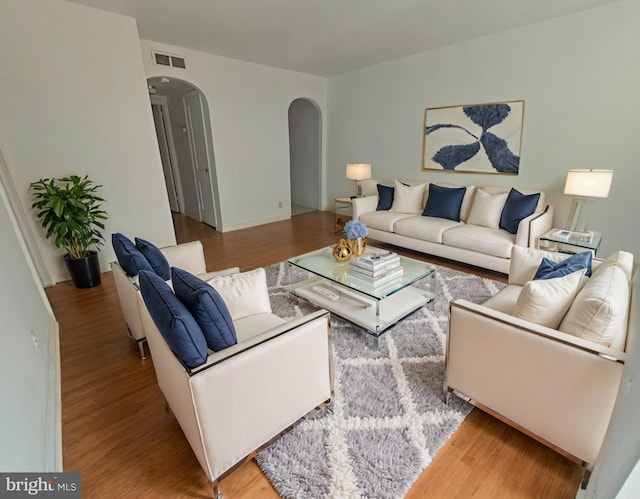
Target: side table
[
  {"x": 343, "y": 211},
  {"x": 572, "y": 243}
]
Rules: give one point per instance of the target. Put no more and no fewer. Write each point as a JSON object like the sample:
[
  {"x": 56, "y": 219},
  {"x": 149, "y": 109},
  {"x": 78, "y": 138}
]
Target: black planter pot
[{"x": 85, "y": 273}]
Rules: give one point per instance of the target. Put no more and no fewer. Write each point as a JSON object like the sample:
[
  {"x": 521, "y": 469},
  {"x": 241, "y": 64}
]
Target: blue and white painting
[{"x": 482, "y": 138}]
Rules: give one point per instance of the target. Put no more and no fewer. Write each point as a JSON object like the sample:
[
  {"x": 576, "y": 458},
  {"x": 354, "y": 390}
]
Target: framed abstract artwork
[{"x": 478, "y": 138}]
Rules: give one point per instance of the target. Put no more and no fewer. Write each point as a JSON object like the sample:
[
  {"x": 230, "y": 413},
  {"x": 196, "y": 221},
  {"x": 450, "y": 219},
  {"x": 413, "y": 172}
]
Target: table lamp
[
  {"x": 358, "y": 172},
  {"x": 585, "y": 185}
]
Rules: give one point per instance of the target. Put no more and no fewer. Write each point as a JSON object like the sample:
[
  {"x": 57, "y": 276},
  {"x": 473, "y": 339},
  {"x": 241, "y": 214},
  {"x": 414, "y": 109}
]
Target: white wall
[
  {"x": 30, "y": 426},
  {"x": 579, "y": 76},
  {"x": 248, "y": 105},
  {"x": 75, "y": 101}
]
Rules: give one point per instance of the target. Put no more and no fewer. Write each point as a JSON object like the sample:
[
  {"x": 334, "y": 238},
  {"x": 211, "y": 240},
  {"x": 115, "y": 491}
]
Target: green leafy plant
[{"x": 70, "y": 210}]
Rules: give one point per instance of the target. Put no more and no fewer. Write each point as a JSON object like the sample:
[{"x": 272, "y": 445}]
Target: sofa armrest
[
  {"x": 559, "y": 388},
  {"x": 533, "y": 226},
  {"x": 261, "y": 389},
  {"x": 363, "y": 205},
  {"x": 219, "y": 273},
  {"x": 187, "y": 256}
]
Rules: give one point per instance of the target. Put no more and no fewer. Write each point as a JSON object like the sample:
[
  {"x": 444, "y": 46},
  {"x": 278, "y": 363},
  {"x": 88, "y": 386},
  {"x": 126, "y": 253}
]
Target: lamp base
[{"x": 574, "y": 215}]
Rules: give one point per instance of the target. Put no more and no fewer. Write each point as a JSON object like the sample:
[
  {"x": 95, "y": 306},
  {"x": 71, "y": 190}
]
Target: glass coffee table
[{"x": 318, "y": 278}]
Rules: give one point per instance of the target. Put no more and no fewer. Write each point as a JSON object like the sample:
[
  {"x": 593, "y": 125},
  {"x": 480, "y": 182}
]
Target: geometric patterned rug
[{"x": 387, "y": 419}]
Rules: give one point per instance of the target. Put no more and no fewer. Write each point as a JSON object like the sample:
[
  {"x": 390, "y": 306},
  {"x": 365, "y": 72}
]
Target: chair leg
[
  {"x": 216, "y": 490},
  {"x": 141, "y": 348}
]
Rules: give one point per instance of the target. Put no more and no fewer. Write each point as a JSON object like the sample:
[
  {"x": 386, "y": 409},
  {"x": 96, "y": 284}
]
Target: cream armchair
[
  {"x": 187, "y": 256},
  {"x": 245, "y": 395},
  {"x": 558, "y": 387}
]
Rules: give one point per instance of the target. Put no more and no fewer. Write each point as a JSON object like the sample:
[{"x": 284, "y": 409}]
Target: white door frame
[
  {"x": 22, "y": 220},
  {"x": 161, "y": 100}
]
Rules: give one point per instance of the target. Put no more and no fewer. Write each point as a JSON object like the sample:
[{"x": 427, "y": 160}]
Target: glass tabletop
[
  {"x": 322, "y": 263},
  {"x": 590, "y": 240}
]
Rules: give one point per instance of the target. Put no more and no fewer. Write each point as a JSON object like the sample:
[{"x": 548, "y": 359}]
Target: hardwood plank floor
[{"x": 117, "y": 433}]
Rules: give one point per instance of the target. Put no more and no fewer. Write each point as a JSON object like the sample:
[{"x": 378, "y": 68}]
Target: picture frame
[{"x": 474, "y": 138}]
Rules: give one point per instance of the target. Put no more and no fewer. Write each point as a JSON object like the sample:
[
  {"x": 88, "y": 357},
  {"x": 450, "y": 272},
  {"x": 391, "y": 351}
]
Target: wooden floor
[{"x": 117, "y": 433}]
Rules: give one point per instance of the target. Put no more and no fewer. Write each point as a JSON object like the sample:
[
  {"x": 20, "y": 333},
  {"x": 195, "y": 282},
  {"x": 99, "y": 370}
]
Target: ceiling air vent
[{"x": 169, "y": 60}]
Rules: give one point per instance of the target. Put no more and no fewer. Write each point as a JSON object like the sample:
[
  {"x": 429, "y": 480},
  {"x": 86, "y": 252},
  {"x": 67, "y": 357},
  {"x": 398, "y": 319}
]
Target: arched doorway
[
  {"x": 183, "y": 128},
  {"x": 305, "y": 153}
]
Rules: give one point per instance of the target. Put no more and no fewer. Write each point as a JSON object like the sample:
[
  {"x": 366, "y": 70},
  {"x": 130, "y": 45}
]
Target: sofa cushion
[
  {"x": 129, "y": 257},
  {"x": 493, "y": 242},
  {"x": 244, "y": 293},
  {"x": 486, "y": 209},
  {"x": 383, "y": 220},
  {"x": 424, "y": 228},
  {"x": 549, "y": 269},
  {"x": 516, "y": 207},
  {"x": 155, "y": 258},
  {"x": 174, "y": 321},
  {"x": 207, "y": 307},
  {"x": 599, "y": 312},
  {"x": 545, "y": 302},
  {"x": 385, "y": 197},
  {"x": 407, "y": 198},
  {"x": 444, "y": 202}
]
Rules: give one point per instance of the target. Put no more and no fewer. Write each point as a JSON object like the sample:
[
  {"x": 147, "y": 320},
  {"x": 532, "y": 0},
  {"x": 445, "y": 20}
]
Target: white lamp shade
[
  {"x": 358, "y": 171},
  {"x": 588, "y": 183}
]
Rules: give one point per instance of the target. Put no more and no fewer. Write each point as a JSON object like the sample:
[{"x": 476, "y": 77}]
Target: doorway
[
  {"x": 305, "y": 155},
  {"x": 183, "y": 128}
]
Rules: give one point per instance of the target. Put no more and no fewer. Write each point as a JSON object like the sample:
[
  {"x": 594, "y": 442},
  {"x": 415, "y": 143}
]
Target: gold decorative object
[
  {"x": 342, "y": 251},
  {"x": 357, "y": 246}
]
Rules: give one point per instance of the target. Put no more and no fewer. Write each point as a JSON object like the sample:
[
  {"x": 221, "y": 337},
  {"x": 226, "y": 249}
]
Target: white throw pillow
[
  {"x": 486, "y": 209},
  {"x": 244, "y": 293},
  {"x": 407, "y": 198},
  {"x": 599, "y": 312},
  {"x": 545, "y": 302}
]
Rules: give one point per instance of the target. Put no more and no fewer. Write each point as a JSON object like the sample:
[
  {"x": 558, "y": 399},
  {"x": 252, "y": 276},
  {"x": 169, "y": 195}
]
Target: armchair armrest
[
  {"x": 557, "y": 387},
  {"x": 257, "y": 390},
  {"x": 187, "y": 256},
  {"x": 363, "y": 205},
  {"x": 219, "y": 273},
  {"x": 532, "y": 227}
]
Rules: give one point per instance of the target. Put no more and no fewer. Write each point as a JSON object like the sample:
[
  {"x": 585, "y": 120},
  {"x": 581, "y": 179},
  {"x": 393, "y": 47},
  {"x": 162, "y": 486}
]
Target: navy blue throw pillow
[
  {"x": 549, "y": 269},
  {"x": 174, "y": 321},
  {"x": 208, "y": 309},
  {"x": 155, "y": 258},
  {"x": 517, "y": 207},
  {"x": 385, "y": 197},
  {"x": 444, "y": 202},
  {"x": 129, "y": 257}
]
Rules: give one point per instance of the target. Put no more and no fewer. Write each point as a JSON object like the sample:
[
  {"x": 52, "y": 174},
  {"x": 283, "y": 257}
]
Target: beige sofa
[
  {"x": 483, "y": 246},
  {"x": 559, "y": 384},
  {"x": 187, "y": 256},
  {"x": 245, "y": 395}
]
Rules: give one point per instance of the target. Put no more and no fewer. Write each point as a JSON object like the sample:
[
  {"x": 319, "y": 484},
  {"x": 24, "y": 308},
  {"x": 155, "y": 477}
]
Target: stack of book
[{"x": 377, "y": 268}]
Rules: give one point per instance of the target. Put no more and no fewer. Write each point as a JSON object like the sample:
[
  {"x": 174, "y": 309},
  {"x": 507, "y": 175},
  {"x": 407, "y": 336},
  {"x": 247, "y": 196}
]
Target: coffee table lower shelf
[{"x": 373, "y": 315}]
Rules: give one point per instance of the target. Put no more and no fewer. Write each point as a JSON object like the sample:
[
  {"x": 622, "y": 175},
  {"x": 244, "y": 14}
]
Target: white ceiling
[{"x": 327, "y": 37}]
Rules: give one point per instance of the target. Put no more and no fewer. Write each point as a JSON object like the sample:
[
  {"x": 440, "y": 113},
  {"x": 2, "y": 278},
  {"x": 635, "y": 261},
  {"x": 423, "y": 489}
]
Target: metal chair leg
[
  {"x": 216, "y": 490},
  {"x": 141, "y": 348}
]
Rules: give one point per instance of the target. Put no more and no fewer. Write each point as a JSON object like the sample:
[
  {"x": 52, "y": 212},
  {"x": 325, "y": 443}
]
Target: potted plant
[{"x": 70, "y": 210}]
